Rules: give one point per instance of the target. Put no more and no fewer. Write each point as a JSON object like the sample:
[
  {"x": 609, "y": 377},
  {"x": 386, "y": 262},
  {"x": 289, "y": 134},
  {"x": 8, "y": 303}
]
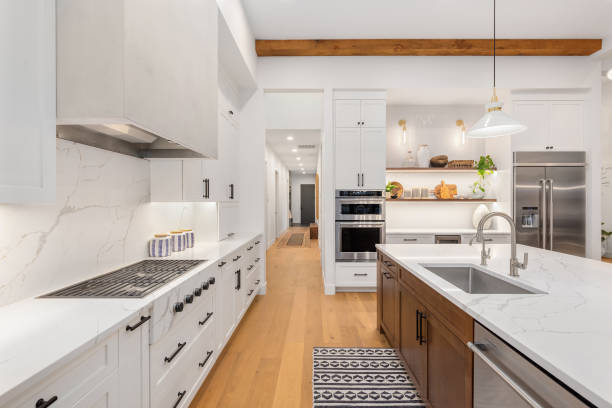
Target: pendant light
[{"x": 495, "y": 122}]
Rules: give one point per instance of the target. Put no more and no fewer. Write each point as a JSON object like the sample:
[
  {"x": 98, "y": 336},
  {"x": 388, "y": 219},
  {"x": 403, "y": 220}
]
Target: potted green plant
[
  {"x": 604, "y": 239},
  {"x": 485, "y": 167}
]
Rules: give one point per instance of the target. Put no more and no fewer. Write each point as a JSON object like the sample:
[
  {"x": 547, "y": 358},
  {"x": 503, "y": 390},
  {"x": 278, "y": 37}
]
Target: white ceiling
[
  {"x": 295, "y": 19},
  {"x": 277, "y": 141}
]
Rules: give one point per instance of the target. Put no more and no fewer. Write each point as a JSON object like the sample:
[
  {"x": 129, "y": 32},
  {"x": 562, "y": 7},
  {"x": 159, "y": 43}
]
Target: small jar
[
  {"x": 160, "y": 245},
  {"x": 189, "y": 238},
  {"x": 416, "y": 193},
  {"x": 178, "y": 240},
  {"x": 423, "y": 156}
]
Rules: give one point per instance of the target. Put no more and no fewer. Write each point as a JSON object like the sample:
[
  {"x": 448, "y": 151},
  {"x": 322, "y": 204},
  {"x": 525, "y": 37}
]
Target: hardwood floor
[
  {"x": 268, "y": 361},
  {"x": 608, "y": 260}
]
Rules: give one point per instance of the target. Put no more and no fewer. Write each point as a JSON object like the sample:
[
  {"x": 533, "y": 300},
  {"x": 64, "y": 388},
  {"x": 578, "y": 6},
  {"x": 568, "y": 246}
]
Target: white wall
[
  {"x": 101, "y": 220},
  {"x": 293, "y": 110},
  {"x": 296, "y": 180},
  {"x": 329, "y": 73},
  {"x": 273, "y": 165},
  {"x": 238, "y": 24},
  {"x": 606, "y": 160}
]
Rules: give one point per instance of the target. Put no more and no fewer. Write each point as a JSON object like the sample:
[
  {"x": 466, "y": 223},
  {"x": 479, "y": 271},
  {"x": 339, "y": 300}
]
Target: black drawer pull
[
  {"x": 208, "y": 354},
  {"x": 180, "y": 397},
  {"x": 208, "y": 316},
  {"x": 387, "y": 275},
  {"x": 257, "y": 259},
  {"x": 257, "y": 242},
  {"x": 257, "y": 282},
  {"x": 238, "y": 283},
  {"x": 41, "y": 403},
  {"x": 421, "y": 318},
  {"x": 388, "y": 264},
  {"x": 251, "y": 292},
  {"x": 417, "y": 324},
  {"x": 249, "y": 248},
  {"x": 237, "y": 258},
  {"x": 360, "y": 274},
  {"x": 250, "y": 267},
  {"x": 221, "y": 264},
  {"x": 143, "y": 319},
  {"x": 178, "y": 350}
]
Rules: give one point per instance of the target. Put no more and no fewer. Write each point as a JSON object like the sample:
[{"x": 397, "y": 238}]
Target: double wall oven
[{"x": 360, "y": 224}]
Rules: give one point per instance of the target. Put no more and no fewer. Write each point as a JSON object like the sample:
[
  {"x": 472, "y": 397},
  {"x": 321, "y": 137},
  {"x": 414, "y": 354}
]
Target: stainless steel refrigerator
[{"x": 550, "y": 200}]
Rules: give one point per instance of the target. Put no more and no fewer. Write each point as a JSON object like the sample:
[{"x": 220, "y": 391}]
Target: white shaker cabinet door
[
  {"x": 374, "y": 113},
  {"x": 373, "y": 158},
  {"x": 194, "y": 185},
  {"x": 566, "y": 125},
  {"x": 348, "y": 113},
  {"x": 534, "y": 115},
  {"x": 27, "y": 101},
  {"x": 348, "y": 158}
]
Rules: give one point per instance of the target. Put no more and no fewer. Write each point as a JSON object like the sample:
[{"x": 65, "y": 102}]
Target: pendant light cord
[{"x": 494, "y": 40}]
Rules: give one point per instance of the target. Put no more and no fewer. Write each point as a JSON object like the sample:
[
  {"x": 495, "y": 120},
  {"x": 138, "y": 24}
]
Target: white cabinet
[
  {"x": 228, "y": 219},
  {"x": 348, "y": 158},
  {"x": 133, "y": 62},
  {"x": 410, "y": 239},
  {"x": 489, "y": 238},
  {"x": 551, "y": 125},
  {"x": 134, "y": 363},
  {"x": 360, "y": 113},
  {"x": 373, "y": 158},
  {"x": 27, "y": 101}
]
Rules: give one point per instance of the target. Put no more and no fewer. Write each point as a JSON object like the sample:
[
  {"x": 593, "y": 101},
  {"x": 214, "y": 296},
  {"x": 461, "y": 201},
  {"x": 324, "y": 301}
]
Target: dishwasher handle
[{"x": 507, "y": 379}]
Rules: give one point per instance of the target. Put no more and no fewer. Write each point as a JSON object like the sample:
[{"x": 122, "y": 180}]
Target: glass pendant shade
[{"x": 495, "y": 123}]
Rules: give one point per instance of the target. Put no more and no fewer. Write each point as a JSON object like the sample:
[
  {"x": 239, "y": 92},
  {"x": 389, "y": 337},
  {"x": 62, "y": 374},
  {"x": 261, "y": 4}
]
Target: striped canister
[
  {"x": 189, "y": 238},
  {"x": 178, "y": 240},
  {"x": 160, "y": 245}
]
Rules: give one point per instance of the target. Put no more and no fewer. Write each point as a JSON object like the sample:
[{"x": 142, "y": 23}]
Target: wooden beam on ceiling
[{"x": 427, "y": 47}]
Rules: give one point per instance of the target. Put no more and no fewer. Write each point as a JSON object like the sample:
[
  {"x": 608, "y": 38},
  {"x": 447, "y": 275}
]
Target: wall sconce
[
  {"x": 402, "y": 124},
  {"x": 462, "y": 129}
]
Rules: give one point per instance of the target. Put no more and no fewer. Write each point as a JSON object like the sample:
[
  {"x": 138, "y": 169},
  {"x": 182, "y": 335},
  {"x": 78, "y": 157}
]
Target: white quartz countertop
[
  {"x": 443, "y": 231},
  {"x": 566, "y": 331},
  {"x": 38, "y": 335}
]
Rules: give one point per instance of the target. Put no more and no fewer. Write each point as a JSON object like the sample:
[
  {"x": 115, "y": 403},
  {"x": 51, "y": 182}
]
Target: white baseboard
[
  {"x": 356, "y": 289},
  {"x": 330, "y": 289},
  {"x": 262, "y": 289}
]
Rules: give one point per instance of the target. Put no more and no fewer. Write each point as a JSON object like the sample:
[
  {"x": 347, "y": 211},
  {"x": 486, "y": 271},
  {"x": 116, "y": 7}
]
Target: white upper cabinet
[
  {"x": 134, "y": 62},
  {"x": 27, "y": 101},
  {"x": 551, "y": 125},
  {"x": 360, "y": 142}
]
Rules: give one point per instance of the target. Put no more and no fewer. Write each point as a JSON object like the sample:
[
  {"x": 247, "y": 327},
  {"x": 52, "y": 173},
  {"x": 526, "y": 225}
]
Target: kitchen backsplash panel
[{"x": 101, "y": 219}]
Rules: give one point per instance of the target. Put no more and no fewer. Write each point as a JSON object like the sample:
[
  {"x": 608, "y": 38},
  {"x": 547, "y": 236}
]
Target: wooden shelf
[
  {"x": 429, "y": 170},
  {"x": 453, "y": 200}
]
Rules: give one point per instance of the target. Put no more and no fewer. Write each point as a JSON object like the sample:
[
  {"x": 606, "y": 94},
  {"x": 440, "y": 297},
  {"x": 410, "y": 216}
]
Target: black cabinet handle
[
  {"x": 212, "y": 280},
  {"x": 206, "y": 188},
  {"x": 178, "y": 350},
  {"x": 231, "y": 112},
  {"x": 249, "y": 248},
  {"x": 41, "y": 403},
  {"x": 143, "y": 319},
  {"x": 237, "y": 287},
  {"x": 257, "y": 242},
  {"x": 257, "y": 259},
  {"x": 388, "y": 264},
  {"x": 207, "y": 318},
  {"x": 387, "y": 275},
  {"x": 250, "y": 292},
  {"x": 417, "y": 324},
  {"x": 237, "y": 258},
  {"x": 222, "y": 264},
  {"x": 180, "y": 397},
  {"x": 257, "y": 282},
  {"x": 360, "y": 274},
  {"x": 421, "y": 318},
  {"x": 203, "y": 363},
  {"x": 250, "y": 267},
  {"x": 231, "y": 186}
]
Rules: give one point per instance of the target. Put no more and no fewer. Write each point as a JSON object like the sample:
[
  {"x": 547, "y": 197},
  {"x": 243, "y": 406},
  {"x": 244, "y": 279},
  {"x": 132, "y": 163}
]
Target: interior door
[
  {"x": 374, "y": 113},
  {"x": 373, "y": 158},
  {"x": 348, "y": 113},
  {"x": 348, "y": 158},
  {"x": 411, "y": 349},
  {"x": 307, "y": 203},
  {"x": 566, "y": 206},
  {"x": 528, "y": 211}
]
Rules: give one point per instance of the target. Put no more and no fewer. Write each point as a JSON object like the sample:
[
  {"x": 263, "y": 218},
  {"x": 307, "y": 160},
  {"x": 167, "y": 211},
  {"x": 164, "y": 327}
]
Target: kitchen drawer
[
  {"x": 184, "y": 378},
  {"x": 185, "y": 333},
  {"x": 76, "y": 380},
  {"x": 411, "y": 239},
  {"x": 356, "y": 274},
  {"x": 388, "y": 263},
  {"x": 489, "y": 238},
  {"x": 253, "y": 281}
]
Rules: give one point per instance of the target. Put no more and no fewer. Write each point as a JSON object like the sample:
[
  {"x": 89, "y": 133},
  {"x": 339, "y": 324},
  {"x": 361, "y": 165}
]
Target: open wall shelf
[
  {"x": 439, "y": 200},
  {"x": 429, "y": 170}
]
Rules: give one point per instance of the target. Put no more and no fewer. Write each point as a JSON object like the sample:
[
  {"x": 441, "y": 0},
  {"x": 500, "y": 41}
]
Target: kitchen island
[{"x": 563, "y": 326}]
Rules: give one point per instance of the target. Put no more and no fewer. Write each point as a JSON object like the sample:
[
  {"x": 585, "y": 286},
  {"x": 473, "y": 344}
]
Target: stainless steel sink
[{"x": 471, "y": 279}]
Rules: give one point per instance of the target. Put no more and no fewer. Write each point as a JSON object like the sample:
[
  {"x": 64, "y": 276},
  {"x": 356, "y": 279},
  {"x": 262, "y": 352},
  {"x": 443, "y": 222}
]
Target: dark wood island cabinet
[{"x": 429, "y": 333}]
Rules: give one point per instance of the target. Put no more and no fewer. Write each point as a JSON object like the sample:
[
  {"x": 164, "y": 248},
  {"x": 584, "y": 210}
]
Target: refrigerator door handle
[
  {"x": 551, "y": 218},
  {"x": 543, "y": 212}
]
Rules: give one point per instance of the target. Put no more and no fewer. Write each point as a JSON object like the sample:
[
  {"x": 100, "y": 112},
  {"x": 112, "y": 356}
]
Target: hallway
[{"x": 268, "y": 361}]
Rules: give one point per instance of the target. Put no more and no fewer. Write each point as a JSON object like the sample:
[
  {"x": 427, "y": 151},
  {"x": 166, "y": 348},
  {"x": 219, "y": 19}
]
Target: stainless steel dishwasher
[{"x": 504, "y": 378}]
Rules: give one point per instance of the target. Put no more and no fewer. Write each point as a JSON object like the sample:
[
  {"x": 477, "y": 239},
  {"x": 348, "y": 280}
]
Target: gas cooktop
[{"x": 133, "y": 281}]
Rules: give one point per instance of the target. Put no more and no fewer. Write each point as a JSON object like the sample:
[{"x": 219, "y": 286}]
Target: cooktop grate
[{"x": 133, "y": 281}]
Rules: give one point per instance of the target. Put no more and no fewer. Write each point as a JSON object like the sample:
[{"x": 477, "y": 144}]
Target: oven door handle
[
  {"x": 505, "y": 377},
  {"x": 359, "y": 224}
]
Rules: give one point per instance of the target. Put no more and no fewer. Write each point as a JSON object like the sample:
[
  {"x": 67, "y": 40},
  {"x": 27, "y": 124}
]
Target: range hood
[{"x": 125, "y": 139}]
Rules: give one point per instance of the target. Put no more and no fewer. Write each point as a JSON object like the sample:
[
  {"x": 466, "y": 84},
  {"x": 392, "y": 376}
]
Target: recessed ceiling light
[
  {"x": 294, "y": 150},
  {"x": 289, "y": 137},
  {"x": 298, "y": 158},
  {"x": 301, "y": 164}
]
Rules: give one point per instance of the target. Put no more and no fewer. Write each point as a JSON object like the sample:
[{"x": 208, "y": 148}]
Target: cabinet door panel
[
  {"x": 348, "y": 113},
  {"x": 389, "y": 306},
  {"x": 227, "y": 313},
  {"x": 449, "y": 368},
  {"x": 534, "y": 115},
  {"x": 194, "y": 187},
  {"x": 374, "y": 113},
  {"x": 228, "y": 172},
  {"x": 414, "y": 353},
  {"x": 373, "y": 158},
  {"x": 348, "y": 158},
  {"x": 566, "y": 125}
]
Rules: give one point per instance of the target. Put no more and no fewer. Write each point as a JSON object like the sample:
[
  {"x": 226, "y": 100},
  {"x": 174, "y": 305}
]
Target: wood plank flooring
[{"x": 268, "y": 361}]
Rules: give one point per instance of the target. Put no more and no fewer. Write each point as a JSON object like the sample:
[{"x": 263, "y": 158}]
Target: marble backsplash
[{"x": 101, "y": 219}]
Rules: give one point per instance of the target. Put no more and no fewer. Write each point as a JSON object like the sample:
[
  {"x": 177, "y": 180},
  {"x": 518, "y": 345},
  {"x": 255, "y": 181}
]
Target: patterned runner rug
[
  {"x": 361, "y": 377},
  {"x": 296, "y": 239}
]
